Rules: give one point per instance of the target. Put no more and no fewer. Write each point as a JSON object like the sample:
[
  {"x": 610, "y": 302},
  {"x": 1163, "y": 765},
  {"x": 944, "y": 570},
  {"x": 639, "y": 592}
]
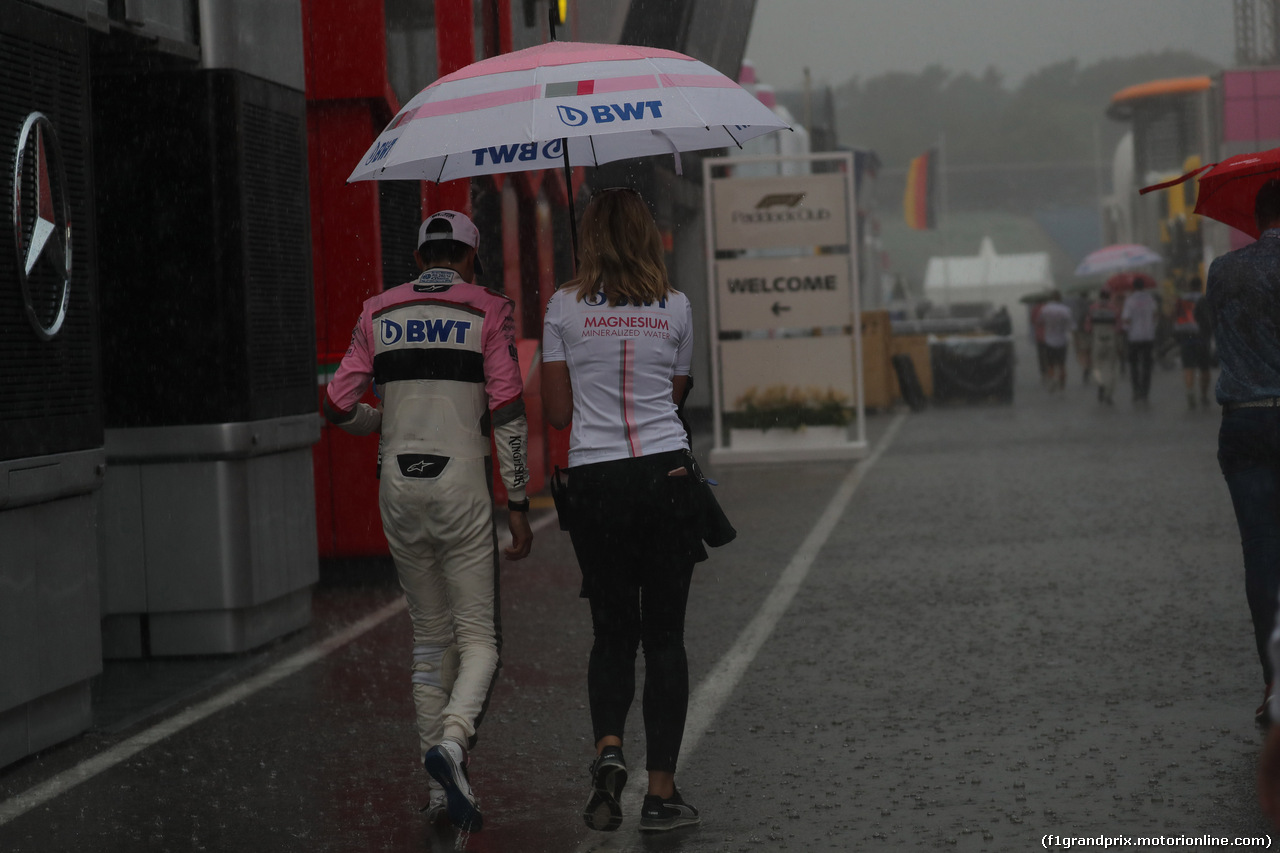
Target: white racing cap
[{"x": 461, "y": 229}]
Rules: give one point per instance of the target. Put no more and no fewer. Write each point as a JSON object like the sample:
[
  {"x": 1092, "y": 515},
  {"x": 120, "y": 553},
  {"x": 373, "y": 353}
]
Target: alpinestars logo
[
  {"x": 421, "y": 466},
  {"x": 42, "y": 224}
]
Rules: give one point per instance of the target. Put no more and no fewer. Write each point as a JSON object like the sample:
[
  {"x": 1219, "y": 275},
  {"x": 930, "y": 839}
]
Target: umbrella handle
[
  {"x": 573, "y": 218},
  {"x": 1175, "y": 181},
  {"x": 674, "y": 150},
  {"x": 568, "y": 173}
]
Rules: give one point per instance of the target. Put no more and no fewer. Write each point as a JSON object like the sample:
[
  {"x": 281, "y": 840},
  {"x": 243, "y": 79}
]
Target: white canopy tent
[{"x": 1001, "y": 280}]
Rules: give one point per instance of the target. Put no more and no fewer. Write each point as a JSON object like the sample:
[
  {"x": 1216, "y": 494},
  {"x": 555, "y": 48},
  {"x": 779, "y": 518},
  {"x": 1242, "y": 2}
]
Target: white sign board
[
  {"x": 784, "y": 317},
  {"x": 779, "y": 293},
  {"x": 790, "y": 362},
  {"x": 795, "y": 210}
]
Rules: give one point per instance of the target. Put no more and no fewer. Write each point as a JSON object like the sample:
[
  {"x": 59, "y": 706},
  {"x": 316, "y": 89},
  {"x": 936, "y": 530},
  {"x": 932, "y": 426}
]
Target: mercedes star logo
[{"x": 42, "y": 224}]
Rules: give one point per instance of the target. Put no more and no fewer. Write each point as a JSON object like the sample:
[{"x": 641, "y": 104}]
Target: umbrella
[
  {"x": 546, "y": 105},
  {"x": 1117, "y": 258},
  {"x": 1228, "y": 189}
]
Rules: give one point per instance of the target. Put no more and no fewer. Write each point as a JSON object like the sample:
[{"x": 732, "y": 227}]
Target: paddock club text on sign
[{"x": 767, "y": 213}]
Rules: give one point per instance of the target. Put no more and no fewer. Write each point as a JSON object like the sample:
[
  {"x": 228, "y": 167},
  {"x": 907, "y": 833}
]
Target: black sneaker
[
  {"x": 447, "y": 764},
  {"x": 608, "y": 776},
  {"x": 659, "y": 815}
]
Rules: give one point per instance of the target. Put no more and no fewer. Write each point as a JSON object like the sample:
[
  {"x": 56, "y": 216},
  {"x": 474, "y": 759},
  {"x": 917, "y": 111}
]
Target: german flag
[{"x": 918, "y": 201}]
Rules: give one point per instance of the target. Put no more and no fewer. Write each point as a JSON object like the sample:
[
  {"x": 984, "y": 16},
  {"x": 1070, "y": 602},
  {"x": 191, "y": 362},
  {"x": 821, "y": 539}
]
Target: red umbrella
[
  {"x": 1123, "y": 282},
  {"x": 1228, "y": 189}
]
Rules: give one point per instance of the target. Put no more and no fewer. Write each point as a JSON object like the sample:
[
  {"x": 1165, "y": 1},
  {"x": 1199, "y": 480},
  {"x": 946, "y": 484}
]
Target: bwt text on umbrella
[
  {"x": 605, "y": 113},
  {"x": 525, "y": 152},
  {"x": 382, "y": 149}
]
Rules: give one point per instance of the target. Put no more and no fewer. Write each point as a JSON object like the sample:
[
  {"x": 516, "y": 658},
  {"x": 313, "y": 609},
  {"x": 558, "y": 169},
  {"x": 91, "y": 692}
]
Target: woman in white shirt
[{"x": 617, "y": 345}]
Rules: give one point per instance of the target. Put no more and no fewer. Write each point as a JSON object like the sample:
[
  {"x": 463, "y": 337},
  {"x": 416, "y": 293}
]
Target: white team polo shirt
[{"x": 621, "y": 362}]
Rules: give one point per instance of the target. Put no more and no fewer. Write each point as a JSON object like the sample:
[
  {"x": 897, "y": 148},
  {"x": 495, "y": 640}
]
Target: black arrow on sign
[{"x": 778, "y": 308}]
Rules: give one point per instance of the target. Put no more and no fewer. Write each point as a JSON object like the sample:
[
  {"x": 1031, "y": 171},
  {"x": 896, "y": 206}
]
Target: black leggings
[
  {"x": 624, "y": 615},
  {"x": 636, "y": 544}
]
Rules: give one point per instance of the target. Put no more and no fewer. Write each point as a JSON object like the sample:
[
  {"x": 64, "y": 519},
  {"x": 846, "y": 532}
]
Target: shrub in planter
[{"x": 780, "y": 407}]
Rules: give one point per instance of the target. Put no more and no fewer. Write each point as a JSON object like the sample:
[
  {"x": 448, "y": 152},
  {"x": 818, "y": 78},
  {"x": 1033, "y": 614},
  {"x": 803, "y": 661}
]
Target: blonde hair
[{"x": 621, "y": 251}]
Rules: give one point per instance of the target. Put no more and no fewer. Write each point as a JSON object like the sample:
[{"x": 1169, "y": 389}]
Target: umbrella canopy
[
  {"x": 1117, "y": 258},
  {"x": 515, "y": 112},
  {"x": 1123, "y": 283},
  {"x": 1228, "y": 189}
]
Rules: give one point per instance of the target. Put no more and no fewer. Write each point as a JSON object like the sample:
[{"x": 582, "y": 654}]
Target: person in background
[
  {"x": 1138, "y": 320},
  {"x": 617, "y": 346},
  {"x": 442, "y": 351},
  {"x": 1058, "y": 323},
  {"x": 1037, "y": 338},
  {"x": 1242, "y": 309},
  {"x": 1080, "y": 337},
  {"x": 1100, "y": 324},
  {"x": 1190, "y": 329}
]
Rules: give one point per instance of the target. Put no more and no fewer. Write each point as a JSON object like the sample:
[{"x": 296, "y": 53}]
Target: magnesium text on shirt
[
  {"x": 622, "y": 326},
  {"x": 798, "y": 210}
]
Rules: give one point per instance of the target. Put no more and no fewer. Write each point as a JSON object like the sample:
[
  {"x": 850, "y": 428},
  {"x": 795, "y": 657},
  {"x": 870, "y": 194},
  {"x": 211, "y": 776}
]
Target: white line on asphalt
[
  {"x": 123, "y": 751},
  {"x": 40, "y": 794},
  {"x": 718, "y": 686}
]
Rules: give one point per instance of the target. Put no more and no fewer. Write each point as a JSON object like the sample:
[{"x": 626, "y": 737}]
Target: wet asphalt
[{"x": 1029, "y": 620}]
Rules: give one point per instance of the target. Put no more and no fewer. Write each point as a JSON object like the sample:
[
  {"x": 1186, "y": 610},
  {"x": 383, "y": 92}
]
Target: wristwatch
[{"x": 518, "y": 506}]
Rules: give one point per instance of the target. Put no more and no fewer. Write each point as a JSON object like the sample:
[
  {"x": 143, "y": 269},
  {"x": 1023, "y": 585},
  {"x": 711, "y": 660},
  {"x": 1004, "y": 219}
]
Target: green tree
[{"x": 1052, "y": 115}]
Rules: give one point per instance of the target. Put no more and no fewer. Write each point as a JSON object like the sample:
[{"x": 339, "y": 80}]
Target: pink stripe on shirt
[{"x": 629, "y": 398}]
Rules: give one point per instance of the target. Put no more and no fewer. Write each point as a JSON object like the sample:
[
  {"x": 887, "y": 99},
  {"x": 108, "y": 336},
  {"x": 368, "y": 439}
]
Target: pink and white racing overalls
[{"x": 442, "y": 353}]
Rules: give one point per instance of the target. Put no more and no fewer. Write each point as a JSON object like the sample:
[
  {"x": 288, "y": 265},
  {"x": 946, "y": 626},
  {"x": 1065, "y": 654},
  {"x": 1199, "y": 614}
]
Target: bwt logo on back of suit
[{"x": 425, "y": 331}]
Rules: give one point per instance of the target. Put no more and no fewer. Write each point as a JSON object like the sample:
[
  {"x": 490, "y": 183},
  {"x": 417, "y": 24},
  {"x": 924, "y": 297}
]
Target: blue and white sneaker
[
  {"x": 447, "y": 764},
  {"x": 659, "y": 815},
  {"x": 608, "y": 777}
]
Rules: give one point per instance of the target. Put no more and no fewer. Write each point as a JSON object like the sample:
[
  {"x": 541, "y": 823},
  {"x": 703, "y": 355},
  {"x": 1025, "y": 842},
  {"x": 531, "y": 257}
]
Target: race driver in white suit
[{"x": 442, "y": 353}]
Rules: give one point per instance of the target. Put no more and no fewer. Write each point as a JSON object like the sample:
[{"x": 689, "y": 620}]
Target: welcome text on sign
[{"x": 783, "y": 284}]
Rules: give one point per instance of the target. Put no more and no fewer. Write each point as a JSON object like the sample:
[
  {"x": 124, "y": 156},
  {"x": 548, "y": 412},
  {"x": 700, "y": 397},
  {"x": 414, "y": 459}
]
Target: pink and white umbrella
[
  {"x": 518, "y": 111},
  {"x": 1117, "y": 258}
]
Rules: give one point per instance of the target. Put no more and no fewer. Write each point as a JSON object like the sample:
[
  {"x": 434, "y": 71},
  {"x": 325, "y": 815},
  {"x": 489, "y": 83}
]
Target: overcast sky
[{"x": 839, "y": 39}]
